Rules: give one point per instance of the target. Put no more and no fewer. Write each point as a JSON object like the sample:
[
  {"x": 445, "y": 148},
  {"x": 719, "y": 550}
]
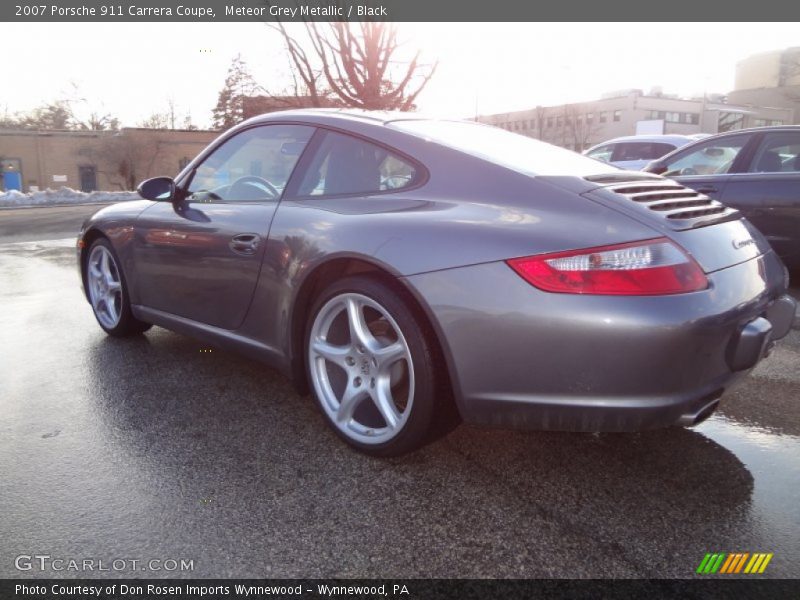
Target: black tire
[
  {"x": 431, "y": 399},
  {"x": 127, "y": 324}
]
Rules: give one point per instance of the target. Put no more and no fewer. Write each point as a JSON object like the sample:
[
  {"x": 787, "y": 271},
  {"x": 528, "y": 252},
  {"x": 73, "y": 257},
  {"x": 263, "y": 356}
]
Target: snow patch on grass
[{"x": 61, "y": 196}]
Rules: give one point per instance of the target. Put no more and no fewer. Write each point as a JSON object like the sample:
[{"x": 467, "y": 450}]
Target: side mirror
[
  {"x": 161, "y": 189},
  {"x": 656, "y": 167}
]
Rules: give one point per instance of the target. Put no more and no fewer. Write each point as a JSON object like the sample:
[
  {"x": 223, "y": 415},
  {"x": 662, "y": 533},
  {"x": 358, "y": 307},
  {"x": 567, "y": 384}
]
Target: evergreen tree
[{"x": 239, "y": 84}]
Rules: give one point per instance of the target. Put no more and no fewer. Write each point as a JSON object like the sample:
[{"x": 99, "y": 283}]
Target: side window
[
  {"x": 779, "y": 153},
  {"x": 709, "y": 158},
  {"x": 347, "y": 165},
  {"x": 253, "y": 166},
  {"x": 602, "y": 153},
  {"x": 659, "y": 149}
]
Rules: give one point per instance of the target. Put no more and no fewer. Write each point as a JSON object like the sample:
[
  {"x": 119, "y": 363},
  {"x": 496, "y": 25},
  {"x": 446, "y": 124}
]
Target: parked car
[
  {"x": 635, "y": 152},
  {"x": 406, "y": 269},
  {"x": 756, "y": 171}
]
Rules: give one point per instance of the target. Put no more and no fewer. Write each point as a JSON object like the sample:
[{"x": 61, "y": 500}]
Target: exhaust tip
[{"x": 695, "y": 418}]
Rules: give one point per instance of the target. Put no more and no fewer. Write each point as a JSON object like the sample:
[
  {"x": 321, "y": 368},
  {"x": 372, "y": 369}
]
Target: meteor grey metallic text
[{"x": 408, "y": 271}]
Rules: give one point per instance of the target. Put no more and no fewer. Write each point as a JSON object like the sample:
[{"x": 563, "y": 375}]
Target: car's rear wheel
[
  {"x": 108, "y": 291},
  {"x": 371, "y": 367}
]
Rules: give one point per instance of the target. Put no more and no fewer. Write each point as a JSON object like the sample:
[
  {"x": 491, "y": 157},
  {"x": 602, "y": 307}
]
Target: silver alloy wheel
[
  {"x": 361, "y": 368},
  {"x": 105, "y": 286}
]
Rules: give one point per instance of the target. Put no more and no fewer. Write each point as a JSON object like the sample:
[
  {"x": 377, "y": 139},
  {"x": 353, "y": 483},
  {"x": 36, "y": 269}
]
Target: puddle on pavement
[
  {"x": 60, "y": 251},
  {"x": 773, "y": 459}
]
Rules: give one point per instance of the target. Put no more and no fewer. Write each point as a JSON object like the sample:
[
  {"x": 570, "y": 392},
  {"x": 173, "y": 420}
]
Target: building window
[
  {"x": 673, "y": 117},
  {"x": 603, "y": 117},
  {"x": 617, "y": 115},
  {"x": 549, "y": 122},
  {"x": 559, "y": 121},
  {"x": 589, "y": 118},
  {"x": 729, "y": 121},
  {"x": 691, "y": 118},
  {"x": 776, "y": 122}
]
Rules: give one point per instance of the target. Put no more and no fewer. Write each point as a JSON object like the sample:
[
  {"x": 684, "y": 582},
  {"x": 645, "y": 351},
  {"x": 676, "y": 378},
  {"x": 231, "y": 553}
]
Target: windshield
[{"x": 502, "y": 147}]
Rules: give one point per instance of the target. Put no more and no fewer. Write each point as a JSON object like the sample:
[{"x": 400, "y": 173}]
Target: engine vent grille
[{"x": 671, "y": 200}]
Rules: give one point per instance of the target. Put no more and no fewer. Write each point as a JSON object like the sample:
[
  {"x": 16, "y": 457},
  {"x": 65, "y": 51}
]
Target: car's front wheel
[
  {"x": 108, "y": 292},
  {"x": 371, "y": 367}
]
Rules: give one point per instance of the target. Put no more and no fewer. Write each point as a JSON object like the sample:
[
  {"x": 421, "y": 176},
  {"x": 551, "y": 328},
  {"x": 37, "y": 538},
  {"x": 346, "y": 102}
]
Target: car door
[
  {"x": 707, "y": 165},
  {"x": 200, "y": 257},
  {"x": 768, "y": 192}
]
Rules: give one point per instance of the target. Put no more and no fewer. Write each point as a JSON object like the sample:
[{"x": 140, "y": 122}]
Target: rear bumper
[{"x": 520, "y": 357}]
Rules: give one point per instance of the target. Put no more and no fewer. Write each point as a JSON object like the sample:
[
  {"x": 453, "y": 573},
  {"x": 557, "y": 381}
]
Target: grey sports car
[{"x": 411, "y": 271}]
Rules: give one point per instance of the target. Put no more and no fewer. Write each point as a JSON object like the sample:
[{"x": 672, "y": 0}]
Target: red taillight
[{"x": 646, "y": 268}]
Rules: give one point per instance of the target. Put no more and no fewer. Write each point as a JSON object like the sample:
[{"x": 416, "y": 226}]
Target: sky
[{"x": 132, "y": 70}]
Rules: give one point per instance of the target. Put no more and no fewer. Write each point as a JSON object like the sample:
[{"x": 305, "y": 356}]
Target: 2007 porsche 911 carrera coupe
[{"x": 410, "y": 271}]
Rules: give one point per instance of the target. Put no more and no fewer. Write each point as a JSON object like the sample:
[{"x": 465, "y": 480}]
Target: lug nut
[
  {"x": 357, "y": 381},
  {"x": 350, "y": 361}
]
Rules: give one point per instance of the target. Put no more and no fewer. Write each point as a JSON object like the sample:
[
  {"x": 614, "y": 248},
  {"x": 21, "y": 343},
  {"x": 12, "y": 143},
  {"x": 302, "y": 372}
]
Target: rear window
[
  {"x": 502, "y": 147},
  {"x": 641, "y": 150}
]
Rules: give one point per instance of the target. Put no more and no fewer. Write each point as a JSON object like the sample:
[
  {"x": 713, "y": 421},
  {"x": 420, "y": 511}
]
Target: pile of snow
[{"x": 63, "y": 195}]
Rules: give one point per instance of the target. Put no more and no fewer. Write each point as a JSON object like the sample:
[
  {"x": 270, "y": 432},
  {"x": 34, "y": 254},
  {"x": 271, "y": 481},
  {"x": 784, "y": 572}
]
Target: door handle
[
  {"x": 707, "y": 189},
  {"x": 245, "y": 243}
]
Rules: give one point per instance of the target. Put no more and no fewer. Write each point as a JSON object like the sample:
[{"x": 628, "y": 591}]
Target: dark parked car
[
  {"x": 754, "y": 170},
  {"x": 408, "y": 271}
]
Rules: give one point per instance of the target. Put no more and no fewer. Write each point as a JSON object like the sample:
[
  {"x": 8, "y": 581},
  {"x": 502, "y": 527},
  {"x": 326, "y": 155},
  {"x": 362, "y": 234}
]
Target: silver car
[{"x": 410, "y": 272}]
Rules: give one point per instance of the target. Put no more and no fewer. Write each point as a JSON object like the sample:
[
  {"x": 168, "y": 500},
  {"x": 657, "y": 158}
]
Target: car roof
[
  {"x": 325, "y": 115},
  {"x": 752, "y": 130},
  {"x": 665, "y": 137}
]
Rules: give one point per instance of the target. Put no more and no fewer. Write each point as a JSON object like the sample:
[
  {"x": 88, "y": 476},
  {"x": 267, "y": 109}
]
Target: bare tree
[
  {"x": 355, "y": 64},
  {"x": 579, "y": 129},
  {"x": 123, "y": 158},
  {"x": 305, "y": 73},
  {"x": 59, "y": 114},
  {"x": 54, "y": 115},
  {"x": 156, "y": 120},
  {"x": 98, "y": 122},
  {"x": 188, "y": 123},
  {"x": 541, "y": 115}
]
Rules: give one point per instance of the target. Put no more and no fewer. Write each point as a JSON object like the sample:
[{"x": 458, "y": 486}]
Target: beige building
[
  {"x": 581, "y": 125},
  {"x": 94, "y": 160},
  {"x": 770, "y": 79}
]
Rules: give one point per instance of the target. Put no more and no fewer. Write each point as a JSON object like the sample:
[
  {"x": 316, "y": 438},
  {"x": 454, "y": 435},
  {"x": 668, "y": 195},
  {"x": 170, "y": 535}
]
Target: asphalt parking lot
[{"x": 156, "y": 448}]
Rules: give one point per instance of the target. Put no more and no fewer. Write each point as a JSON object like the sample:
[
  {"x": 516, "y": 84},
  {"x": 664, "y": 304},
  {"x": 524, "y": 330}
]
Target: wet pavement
[{"x": 154, "y": 448}]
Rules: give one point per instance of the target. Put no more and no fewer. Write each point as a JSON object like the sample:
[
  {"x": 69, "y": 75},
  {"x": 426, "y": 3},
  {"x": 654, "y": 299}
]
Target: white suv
[{"x": 635, "y": 152}]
